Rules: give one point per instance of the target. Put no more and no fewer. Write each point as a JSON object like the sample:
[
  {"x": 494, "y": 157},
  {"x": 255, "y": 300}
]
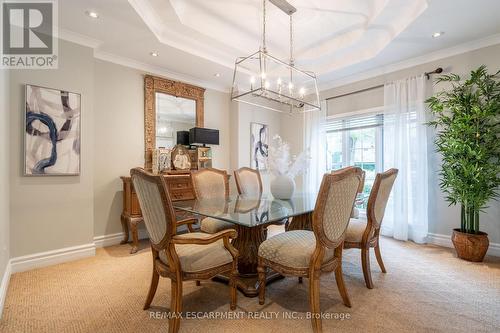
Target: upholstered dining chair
[
  {"x": 190, "y": 256},
  {"x": 365, "y": 234},
  {"x": 248, "y": 181},
  {"x": 211, "y": 183},
  {"x": 305, "y": 253}
]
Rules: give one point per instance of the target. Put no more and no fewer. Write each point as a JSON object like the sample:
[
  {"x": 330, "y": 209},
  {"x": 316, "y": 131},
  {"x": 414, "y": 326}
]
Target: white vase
[{"x": 282, "y": 187}]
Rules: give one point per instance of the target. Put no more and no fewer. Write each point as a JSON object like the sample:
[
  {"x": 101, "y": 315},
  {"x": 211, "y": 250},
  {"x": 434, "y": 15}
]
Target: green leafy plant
[{"x": 467, "y": 119}]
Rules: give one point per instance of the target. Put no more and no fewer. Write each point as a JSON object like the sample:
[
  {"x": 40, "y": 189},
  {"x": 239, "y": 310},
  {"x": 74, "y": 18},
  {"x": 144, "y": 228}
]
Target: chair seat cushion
[
  {"x": 196, "y": 258},
  {"x": 355, "y": 230},
  {"x": 212, "y": 226},
  {"x": 292, "y": 249}
]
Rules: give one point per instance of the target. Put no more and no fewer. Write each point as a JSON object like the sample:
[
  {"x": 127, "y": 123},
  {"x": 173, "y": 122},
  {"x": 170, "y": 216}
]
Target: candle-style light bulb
[
  {"x": 279, "y": 82},
  {"x": 302, "y": 91},
  {"x": 267, "y": 84},
  {"x": 252, "y": 81},
  {"x": 263, "y": 75}
]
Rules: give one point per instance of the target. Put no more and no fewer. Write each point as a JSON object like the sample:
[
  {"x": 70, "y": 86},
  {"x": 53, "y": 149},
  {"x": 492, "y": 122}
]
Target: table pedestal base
[{"x": 249, "y": 284}]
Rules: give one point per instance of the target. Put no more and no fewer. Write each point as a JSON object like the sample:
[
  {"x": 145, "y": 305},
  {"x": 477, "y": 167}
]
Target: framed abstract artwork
[
  {"x": 52, "y": 132},
  {"x": 259, "y": 145}
]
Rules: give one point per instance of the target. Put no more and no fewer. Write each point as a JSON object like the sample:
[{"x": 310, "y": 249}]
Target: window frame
[{"x": 346, "y": 142}]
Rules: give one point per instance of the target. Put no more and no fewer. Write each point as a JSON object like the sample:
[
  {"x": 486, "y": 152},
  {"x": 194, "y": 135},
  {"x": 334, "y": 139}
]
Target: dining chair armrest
[{"x": 225, "y": 234}]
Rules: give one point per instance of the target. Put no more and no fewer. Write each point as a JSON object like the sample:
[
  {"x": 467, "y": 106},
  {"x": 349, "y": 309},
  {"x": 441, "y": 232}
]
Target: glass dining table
[{"x": 250, "y": 217}]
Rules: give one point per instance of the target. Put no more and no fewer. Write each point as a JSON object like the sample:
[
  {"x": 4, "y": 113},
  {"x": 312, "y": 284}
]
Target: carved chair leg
[
  {"x": 261, "y": 269},
  {"x": 339, "y": 278},
  {"x": 379, "y": 258},
  {"x": 152, "y": 289},
  {"x": 300, "y": 279},
  {"x": 233, "y": 286},
  {"x": 198, "y": 283},
  {"x": 365, "y": 263},
  {"x": 175, "y": 306},
  {"x": 314, "y": 301}
]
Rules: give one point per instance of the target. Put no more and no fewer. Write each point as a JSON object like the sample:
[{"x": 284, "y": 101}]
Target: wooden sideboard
[{"x": 180, "y": 188}]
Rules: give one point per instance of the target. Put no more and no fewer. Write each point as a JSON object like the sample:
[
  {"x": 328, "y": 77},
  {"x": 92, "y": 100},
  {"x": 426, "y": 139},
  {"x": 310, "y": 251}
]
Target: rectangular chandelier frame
[{"x": 278, "y": 96}]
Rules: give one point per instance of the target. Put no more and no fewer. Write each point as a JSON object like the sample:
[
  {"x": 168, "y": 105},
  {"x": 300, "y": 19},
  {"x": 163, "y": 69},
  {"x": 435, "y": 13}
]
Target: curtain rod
[{"x": 427, "y": 75}]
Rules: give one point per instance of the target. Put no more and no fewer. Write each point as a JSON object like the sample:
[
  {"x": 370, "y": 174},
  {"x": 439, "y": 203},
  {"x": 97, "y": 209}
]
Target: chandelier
[{"x": 263, "y": 80}]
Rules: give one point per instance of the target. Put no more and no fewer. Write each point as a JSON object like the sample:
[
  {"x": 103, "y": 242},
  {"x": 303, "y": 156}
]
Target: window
[{"x": 357, "y": 142}]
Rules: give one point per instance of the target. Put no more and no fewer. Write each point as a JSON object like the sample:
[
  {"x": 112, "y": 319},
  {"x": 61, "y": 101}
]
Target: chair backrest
[
  {"x": 379, "y": 196},
  {"x": 210, "y": 183},
  {"x": 156, "y": 206},
  {"x": 334, "y": 205},
  {"x": 248, "y": 181}
]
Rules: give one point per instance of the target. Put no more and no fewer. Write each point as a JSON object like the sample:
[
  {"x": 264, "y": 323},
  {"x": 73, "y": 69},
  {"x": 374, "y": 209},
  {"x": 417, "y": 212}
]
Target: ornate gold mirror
[{"x": 169, "y": 106}]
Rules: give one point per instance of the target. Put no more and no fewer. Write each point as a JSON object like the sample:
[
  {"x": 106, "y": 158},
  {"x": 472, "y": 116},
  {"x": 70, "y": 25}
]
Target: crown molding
[
  {"x": 412, "y": 62},
  {"x": 94, "y": 44},
  {"x": 157, "y": 70},
  {"x": 77, "y": 38},
  {"x": 394, "y": 67}
]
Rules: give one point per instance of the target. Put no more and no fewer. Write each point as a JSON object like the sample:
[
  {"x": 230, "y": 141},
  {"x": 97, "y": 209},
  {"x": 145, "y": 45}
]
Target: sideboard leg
[
  {"x": 125, "y": 229},
  {"x": 135, "y": 237}
]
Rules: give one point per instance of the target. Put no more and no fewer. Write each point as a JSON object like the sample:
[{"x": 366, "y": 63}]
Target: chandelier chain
[
  {"x": 284, "y": 84},
  {"x": 264, "y": 47},
  {"x": 292, "y": 61}
]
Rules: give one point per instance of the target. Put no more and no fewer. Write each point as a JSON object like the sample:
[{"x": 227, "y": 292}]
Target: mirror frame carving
[{"x": 154, "y": 84}]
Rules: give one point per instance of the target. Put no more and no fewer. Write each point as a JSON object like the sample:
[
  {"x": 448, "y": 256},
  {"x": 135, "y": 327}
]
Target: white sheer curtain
[
  {"x": 405, "y": 148},
  {"x": 315, "y": 141}
]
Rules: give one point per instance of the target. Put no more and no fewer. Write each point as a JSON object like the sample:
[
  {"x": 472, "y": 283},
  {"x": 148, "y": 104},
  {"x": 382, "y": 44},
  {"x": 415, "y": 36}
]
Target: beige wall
[
  {"x": 54, "y": 212},
  {"x": 119, "y": 136},
  {"x": 4, "y": 172},
  {"x": 217, "y": 115},
  {"x": 442, "y": 219},
  {"x": 50, "y": 213},
  {"x": 119, "y": 139},
  {"x": 242, "y": 116}
]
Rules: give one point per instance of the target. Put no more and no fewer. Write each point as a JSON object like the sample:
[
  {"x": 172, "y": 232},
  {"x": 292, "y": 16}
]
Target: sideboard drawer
[
  {"x": 178, "y": 181},
  {"x": 181, "y": 194}
]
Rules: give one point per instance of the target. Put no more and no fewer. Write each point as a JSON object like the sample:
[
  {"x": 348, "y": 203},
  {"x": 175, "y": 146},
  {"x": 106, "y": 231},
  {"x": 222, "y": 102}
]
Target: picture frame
[
  {"x": 52, "y": 132},
  {"x": 259, "y": 145},
  {"x": 181, "y": 159},
  {"x": 161, "y": 160}
]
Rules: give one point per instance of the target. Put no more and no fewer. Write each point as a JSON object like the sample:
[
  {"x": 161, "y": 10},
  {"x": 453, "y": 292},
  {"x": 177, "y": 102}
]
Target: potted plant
[{"x": 467, "y": 119}]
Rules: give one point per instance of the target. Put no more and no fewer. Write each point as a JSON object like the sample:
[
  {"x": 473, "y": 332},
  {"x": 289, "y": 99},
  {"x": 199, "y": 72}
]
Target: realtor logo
[{"x": 28, "y": 34}]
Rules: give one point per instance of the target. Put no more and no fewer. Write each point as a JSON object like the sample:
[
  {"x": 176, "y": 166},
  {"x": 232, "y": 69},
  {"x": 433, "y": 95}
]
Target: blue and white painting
[{"x": 52, "y": 132}]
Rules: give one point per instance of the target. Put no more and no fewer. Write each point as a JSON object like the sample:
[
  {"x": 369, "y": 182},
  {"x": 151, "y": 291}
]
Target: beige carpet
[{"x": 426, "y": 289}]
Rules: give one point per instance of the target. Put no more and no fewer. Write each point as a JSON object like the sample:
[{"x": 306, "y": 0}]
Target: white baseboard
[
  {"x": 445, "y": 241},
  {"x": 108, "y": 240},
  {"x": 114, "y": 239},
  {"x": 4, "y": 285},
  {"x": 42, "y": 259}
]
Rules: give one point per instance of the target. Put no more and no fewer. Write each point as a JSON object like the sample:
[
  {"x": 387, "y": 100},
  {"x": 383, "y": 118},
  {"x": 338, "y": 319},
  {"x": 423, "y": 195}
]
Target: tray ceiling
[{"x": 328, "y": 35}]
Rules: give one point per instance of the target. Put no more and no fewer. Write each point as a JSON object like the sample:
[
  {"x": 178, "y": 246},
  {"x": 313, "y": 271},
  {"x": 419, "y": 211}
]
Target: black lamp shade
[
  {"x": 204, "y": 136},
  {"x": 183, "y": 138}
]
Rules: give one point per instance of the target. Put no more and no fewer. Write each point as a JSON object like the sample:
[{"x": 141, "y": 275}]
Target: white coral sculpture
[{"x": 281, "y": 163}]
